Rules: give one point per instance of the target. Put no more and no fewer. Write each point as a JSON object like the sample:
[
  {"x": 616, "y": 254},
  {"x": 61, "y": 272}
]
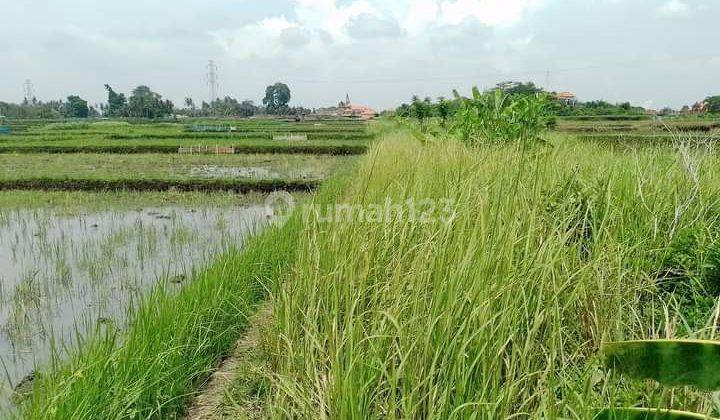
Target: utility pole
[
  {"x": 213, "y": 80},
  {"x": 29, "y": 91}
]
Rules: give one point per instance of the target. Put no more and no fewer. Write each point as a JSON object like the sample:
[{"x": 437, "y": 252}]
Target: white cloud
[
  {"x": 373, "y": 27},
  {"x": 262, "y": 39},
  {"x": 420, "y": 14},
  {"x": 325, "y": 21},
  {"x": 674, "y": 8},
  {"x": 317, "y": 26},
  {"x": 490, "y": 12},
  {"x": 327, "y": 16}
]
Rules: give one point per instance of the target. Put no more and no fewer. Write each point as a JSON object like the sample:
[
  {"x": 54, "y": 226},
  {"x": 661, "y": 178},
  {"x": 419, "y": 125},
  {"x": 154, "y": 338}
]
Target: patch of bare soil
[{"x": 211, "y": 403}]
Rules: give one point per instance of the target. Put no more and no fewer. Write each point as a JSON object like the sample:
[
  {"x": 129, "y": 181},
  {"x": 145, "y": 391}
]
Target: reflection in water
[
  {"x": 257, "y": 172},
  {"x": 61, "y": 275}
]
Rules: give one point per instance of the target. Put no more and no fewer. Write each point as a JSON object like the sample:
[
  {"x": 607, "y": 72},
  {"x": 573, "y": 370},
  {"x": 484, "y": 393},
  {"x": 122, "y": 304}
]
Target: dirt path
[{"x": 211, "y": 403}]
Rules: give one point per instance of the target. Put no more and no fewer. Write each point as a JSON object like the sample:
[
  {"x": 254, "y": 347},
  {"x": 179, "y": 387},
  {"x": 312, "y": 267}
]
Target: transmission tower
[
  {"x": 29, "y": 90},
  {"x": 213, "y": 80}
]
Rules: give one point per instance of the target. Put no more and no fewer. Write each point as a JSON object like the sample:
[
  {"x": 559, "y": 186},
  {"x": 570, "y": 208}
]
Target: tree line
[
  {"x": 73, "y": 107},
  {"x": 444, "y": 108},
  {"x": 143, "y": 102}
]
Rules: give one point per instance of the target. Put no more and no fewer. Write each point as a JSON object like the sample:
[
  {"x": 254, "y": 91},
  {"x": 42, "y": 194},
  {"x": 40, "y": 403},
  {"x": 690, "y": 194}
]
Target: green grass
[
  {"x": 172, "y": 344},
  {"x": 242, "y": 186},
  {"x": 174, "y": 340},
  {"x": 165, "y": 172},
  {"x": 500, "y": 313},
  {"x": 642, "y": 127},
  {"x": 171, "y": 146},
  {"x": 168, "y": 167},
  {"x": 74, "y": 202},
  {"x": 337, "y": 138},
  {"x": 669, "y": 362}
]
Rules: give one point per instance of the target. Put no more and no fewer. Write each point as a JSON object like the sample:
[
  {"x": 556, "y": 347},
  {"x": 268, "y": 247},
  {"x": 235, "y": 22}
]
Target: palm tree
[{"x": 189, "y": 103}]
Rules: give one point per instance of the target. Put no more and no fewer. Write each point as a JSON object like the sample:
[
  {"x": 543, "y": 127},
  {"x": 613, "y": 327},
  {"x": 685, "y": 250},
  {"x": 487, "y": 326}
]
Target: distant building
[
  {"x": 700, "y": 108},
  {"x": 359, "y": 111},
  {"x": 567, "y": 97},
  {"x": 349, "y": 110}
]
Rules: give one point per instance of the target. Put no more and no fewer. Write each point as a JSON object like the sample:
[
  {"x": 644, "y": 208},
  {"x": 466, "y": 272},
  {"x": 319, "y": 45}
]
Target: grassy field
[
  {"x": 246, "y": 137},
  {"x": 168, "y": 167},
  {"x": 162, "y": 172},
  {"x": 73, "y": 202},
  {"x": 174, "y": 341},
  {"x": 76, "y": 263},
  {"x": 434, "y": 280},
  {"x": 73, "y": 262},
  {"x": 648, "y": 132},
  {"x": 500, "y": 312}
]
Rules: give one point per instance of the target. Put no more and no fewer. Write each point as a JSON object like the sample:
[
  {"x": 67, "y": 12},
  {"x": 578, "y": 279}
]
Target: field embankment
[
  {"x": 148, "y": 147},
  {"x": 132, "y": 184}
]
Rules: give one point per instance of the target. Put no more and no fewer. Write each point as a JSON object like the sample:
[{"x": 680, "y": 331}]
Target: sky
[{"x": 653, "y": 53}]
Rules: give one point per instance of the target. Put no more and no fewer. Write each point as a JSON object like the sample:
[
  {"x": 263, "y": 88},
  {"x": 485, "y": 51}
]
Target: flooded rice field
[
  {"x": 256, "y": 172},
  {"x": 63, "y": 272}
]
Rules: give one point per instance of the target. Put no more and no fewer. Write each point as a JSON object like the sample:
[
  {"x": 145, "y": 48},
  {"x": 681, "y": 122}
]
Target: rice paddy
[
  {"x": 169, "y": 167},
  {"x": 327, "y": 137},
  {"x": 67, "y": 272},
  {"x": 90, "y": 235},
  {"x": 428, "y": 278}
]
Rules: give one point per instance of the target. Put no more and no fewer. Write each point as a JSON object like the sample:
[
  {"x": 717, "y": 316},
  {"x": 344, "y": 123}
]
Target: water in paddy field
[{"x": 64, "y": 274}]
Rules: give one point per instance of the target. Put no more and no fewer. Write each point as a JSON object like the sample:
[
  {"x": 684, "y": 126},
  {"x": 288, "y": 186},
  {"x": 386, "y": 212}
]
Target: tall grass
[{"x": 500, "y": 313}]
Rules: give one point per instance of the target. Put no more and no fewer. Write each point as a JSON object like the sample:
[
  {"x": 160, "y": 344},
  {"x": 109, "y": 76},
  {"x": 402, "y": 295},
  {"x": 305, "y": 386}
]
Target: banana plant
[
  {"x": 497, "y": 117},
  {"x": 646, "y": 414},
  {"x": 669, "y": 362}
]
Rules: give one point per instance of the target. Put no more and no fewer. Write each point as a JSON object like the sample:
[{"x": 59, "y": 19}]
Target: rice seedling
[
  {"x": 169, "y": 167},
  {"x": 436, "y": 280},
  {"x": 69, "y": 270}
]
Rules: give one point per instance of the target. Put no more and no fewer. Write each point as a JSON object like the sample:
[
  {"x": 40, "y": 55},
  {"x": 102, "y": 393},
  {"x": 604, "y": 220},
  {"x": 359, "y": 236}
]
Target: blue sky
[{"x": 650, "y": 52}]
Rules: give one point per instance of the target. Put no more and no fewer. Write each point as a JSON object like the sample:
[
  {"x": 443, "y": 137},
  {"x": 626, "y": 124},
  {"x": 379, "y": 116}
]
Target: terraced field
[
  {"x": 96, "y": 217},
  {"x": 640, "y": 132},
  {"x": 246, "y": 137}
]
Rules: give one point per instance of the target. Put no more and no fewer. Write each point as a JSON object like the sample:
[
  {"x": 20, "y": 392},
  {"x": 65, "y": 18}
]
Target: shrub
[{"x": 497, "y": 117}]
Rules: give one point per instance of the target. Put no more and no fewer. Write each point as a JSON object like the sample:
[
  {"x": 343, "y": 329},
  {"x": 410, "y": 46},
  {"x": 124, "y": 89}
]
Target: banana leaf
[
  {"x": 646, "y": 414},
  {"x": 669, "y": 362}
]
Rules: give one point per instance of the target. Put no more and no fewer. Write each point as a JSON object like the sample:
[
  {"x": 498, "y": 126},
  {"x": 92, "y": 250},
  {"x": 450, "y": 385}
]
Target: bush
[{"x": 496, "y": 117}]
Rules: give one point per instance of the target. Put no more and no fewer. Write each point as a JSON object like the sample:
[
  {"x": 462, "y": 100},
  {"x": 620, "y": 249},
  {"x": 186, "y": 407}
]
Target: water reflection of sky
[{"x": 60, "y": 274}]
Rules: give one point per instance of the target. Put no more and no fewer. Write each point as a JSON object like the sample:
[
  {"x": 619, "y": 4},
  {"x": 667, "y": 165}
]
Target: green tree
[
  {"x": 421, "y": 110},
  {"x": 277, "y": 98},
  {"x": 190, "y": 104},
  {"x": 117, "y": 103},
  {"x": 443, "y": 110},
  {"x": 713, "y": 104},
  {"x": 77, "y": 107},
  {"x": 144, "y": 103},
  {"x": 518, "y": 88}
]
